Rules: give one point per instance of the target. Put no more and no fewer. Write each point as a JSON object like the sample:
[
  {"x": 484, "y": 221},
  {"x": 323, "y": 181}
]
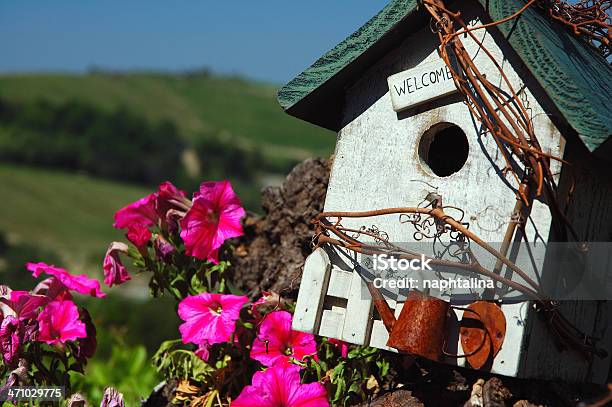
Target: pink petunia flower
[
  {"x": 53, "y": 289},
  {"x": 203, "y": 352},
  {"x": 59, "y": 322},
  {"x": 115, "y": 272},
  {"x": 10, "y": 339},
  {"x": 163, "y": 249},
  {"x": 79, "y": 283},
  {"x": 214, "y": 217},
  {"x": 24, "y": 305},
  {"x": 280, "y": 386},
  {"x": 140, "y": 212},
  {"x": 139, "y": 235},
  {"x": 209, "y": 318},
  {"x": 154, "y": 207},
  {"x": 170, "y": 197},
  {"x": 343, "y": 346},
  {"x": 276, "y": 343}
]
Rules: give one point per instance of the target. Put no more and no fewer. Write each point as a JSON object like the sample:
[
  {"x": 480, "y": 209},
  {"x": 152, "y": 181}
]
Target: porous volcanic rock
[{"x": 271, "y": 254}]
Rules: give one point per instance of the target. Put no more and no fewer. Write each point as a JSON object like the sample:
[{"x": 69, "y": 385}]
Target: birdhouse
[{"x": 408, "y": 138}]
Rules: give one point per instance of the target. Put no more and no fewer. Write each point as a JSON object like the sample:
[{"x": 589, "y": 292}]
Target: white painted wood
[
  {"x": 398, "y": 309},
  {"x": 339, "y": 283},
  {"x": 358, "y": 312},
  {"x": 314, "y": 281},
  {"x": 377, "y": 165},
  {"x": 332, "y": 322},
  {"x": 516, "y": 317},
  {"x": 380, "y": 336},
  {"x": 421, "y": 84}
]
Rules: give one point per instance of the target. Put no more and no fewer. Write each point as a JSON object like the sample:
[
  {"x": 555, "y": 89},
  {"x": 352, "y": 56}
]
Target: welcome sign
[{"x": 420, "y": 84}]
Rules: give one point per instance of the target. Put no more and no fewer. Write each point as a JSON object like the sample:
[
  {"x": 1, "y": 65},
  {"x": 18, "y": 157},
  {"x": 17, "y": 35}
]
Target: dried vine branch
[
  {"x": 588, "y": 20},
  {"x": 434, "y": 223},
  {"x": 505, "y": 116}
]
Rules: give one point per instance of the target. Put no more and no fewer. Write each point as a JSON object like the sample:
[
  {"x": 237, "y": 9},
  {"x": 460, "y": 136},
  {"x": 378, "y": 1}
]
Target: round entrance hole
[{"x": 444, "y": 149}]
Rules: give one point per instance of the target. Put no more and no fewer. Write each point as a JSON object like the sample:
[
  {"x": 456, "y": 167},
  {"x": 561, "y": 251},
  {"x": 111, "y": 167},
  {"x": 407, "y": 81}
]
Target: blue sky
[{"x": 270, "y": 40}]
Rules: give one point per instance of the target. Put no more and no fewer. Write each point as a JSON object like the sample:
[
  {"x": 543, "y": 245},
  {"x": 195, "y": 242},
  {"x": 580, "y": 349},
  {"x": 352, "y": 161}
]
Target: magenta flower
[
  {"x": 79, "y": 283},
  {"x": 170, "y": 197},
  {"x": 25, "y": 305},
  {"x": 276, "y": 343},
  {"x": 167, "y": 192},
  {"x": 149, "y": 210},
  {"x": 10, "y": 339},
  {"x": 163, "y": 249},
  {"x": 203, "y": 352},
  {"x": 280, "y": 386},
  {"x": 53, "y": 289},
  {"x": 59, "y": 322},
  {"x": 139, "y": 235},
  {"x": 209, "y": 318},
  {"x": 114, "y": 270},
  {"x": 213, "y": 218},
  {"x": 140, "y": 212}
]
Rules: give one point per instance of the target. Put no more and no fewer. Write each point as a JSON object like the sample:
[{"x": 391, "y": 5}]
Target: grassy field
[
  {"x": 66, "y": 218},
  {"x": 69, "y": 215},
  {"x": 241, "y": 110}
]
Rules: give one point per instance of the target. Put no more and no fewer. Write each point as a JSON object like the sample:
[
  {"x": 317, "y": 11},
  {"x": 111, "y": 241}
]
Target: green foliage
[
  {"x": 173, "y": 359},
  {"x": 224, "y": 158},
  {"x": 128, "y": 369},
  {"x": 245, "y": 112},
  {"x": 347, "y": 378},
  {"x": 182, "y": 276},
  {"x": 77, "y": 136},
  {"x": 147, "y": 322}
]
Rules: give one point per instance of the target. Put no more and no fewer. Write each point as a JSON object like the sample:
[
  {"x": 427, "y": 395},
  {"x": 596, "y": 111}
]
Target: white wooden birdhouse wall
[{"x": 405, "y": 133}]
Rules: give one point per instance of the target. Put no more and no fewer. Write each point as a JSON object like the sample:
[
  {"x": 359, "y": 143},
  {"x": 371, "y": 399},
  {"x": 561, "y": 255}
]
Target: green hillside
[
  {"x": 52, "y": 208},
  {"x": 240, "y": 110},
  {"x": 65, "y": 216}
]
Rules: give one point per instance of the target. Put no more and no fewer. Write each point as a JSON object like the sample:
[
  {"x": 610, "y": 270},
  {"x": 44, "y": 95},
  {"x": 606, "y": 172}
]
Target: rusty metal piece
[
  {"x": 427, "y": 222},
  {"x": 420, "y": 328},
  {"x": 382, "y": 307},
  {"x": 482, "y": 341}
]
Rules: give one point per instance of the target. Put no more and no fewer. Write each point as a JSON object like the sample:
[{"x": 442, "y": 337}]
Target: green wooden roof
[{"x": 576, "y": 79}]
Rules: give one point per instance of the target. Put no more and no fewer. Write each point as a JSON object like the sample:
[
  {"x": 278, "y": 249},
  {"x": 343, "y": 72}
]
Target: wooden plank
[
  {"x": 380, "y": 336},
  {"x": 398, "y": 309},
  {"x": 358, "y": 312},
  {"x": 506, "y": 362},
  {"x": 312, "y": 289},
  {"x": 600, "y": 367},
  {"x": 332, "y": 322},
  {"x": 420, "y": 84},
  {"x": 339, "y": 283}
]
